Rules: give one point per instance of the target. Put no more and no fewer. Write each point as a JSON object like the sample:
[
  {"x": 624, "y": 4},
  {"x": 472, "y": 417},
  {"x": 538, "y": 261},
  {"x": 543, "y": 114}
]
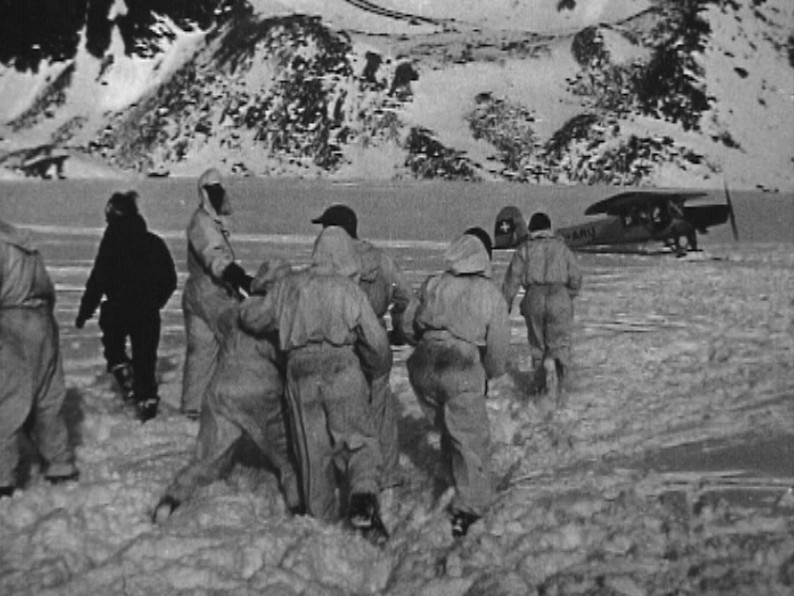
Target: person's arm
[
  {"x": 402, "y": 298},
  {"x": 574, "y": 283},
  {"x": 372, "y": 343},
  {"x": 258, "y": 314},
  {"x": 96, "y": 284},
  {"x": 166, "y": 280},
  {"x": 497, "y": 339},
  {"x": 411, "y": 328},
  {"x": 512, "y": 281},
  {"x": 214, "y": 253},
  {"x": 402, "y": 293},
  {"x": 209, "y": 245},
  {"x": 237, "y": 278}
]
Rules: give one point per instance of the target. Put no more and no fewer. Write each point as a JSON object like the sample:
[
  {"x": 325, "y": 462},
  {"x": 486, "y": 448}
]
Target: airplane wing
[{"x": 639, "y": 199}]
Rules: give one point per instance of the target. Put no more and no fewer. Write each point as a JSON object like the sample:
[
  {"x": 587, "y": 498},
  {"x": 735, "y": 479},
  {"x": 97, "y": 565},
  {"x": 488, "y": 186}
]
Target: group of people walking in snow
[{"x": 297, "y": 360}]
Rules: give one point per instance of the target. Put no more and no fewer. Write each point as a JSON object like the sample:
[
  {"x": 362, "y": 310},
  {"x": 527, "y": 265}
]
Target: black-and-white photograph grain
[{"x": 396, "y": 297}]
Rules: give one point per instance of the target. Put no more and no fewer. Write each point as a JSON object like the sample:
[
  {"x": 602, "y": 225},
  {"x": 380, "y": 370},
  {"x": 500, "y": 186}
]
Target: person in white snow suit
[
  {"x": 462, "y": 338},
  {"x": 245, "y": 398},
  {"x": 32, "y": 387},
  {"x": 333, "y": 344},
  {"x": 389, "y": 293},
  {"x": 547, "y": 270},
  {"x": 215, "y": 283},
  {"x": 135, "y": 273}
]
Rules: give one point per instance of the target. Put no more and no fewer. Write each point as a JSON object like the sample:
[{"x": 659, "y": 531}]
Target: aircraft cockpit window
[{"x": 656, "y": 214}]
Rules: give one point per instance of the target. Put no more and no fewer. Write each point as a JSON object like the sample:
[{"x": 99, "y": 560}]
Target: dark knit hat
[
  {"x": 539, "y": 221},
  {"x": 341, "y": 216}
]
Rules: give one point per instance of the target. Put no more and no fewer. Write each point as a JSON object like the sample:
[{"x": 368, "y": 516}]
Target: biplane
[{"x": 633, "y": 217}]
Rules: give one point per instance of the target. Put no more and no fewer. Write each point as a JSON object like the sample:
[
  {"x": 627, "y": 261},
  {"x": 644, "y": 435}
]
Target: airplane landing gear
[{"x": 684, "y": 243}]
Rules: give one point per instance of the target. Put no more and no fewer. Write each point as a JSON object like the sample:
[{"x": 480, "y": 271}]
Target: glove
[
  {"x": 235, "y": 276},
  {"x": 80, "y": 321}
]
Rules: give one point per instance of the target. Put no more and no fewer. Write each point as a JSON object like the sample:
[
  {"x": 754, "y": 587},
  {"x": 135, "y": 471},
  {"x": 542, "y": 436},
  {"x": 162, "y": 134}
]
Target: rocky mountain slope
[{"x": 622, "y": 92}]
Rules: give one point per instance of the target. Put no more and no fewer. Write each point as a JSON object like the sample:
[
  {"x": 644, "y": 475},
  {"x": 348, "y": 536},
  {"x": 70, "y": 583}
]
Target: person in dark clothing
[{"x": 135, "y": 273}]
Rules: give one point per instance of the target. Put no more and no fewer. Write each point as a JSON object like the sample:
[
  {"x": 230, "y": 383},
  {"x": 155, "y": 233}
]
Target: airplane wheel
[{"x": 684, "y": 244}]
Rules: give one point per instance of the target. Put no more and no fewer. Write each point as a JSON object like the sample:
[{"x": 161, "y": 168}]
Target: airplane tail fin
[{"x": 510, "y": 228}]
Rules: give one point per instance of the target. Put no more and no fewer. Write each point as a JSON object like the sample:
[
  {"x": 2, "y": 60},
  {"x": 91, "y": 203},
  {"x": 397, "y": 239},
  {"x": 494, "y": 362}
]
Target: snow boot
[
  {"x": 124, "y": 377},
  {"x": 562, "y": 398},
  {"x": 55, "y": 480},
  {"x": 292, "y": 495},
  {"x": 461, "y": 521},
  {"x": 165, "y": 507},
  {"x": 552, "y": 381},
  {"x": 146, "y": 409},
  {"x": 364, "y": 516},
  {"x": 536, "y": 371}
]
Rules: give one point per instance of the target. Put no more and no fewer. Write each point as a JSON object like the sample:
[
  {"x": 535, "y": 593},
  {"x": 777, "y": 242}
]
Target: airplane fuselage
[
  {"x": 613, "y": 230},
  {"x": 603, "y": 231},
  {"x": 637, "y": 222}
]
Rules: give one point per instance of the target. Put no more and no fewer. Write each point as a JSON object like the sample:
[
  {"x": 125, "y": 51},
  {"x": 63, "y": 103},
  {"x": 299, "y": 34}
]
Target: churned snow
[{"x": 669, "y": 470}]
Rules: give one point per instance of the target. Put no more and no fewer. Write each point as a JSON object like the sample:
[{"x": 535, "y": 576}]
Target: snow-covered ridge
[{"x": 665, "y": 93}]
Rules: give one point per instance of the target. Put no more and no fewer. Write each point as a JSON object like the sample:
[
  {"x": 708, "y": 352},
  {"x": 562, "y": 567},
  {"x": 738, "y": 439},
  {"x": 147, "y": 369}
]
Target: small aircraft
[{"x": 633, "y": 217}]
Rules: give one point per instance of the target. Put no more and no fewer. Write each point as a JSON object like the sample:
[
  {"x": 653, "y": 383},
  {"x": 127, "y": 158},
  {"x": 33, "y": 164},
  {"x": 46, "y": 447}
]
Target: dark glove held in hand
[
  {"x": 396, "y": 337},
  {"x": 236, "y": 277}
]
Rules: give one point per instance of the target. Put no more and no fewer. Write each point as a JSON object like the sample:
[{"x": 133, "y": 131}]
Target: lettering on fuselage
[{"x": 579, "y": 234}]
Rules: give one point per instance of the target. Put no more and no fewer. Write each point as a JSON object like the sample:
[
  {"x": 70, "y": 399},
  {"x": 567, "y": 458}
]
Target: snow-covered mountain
[{"x": 625, "y": 92}]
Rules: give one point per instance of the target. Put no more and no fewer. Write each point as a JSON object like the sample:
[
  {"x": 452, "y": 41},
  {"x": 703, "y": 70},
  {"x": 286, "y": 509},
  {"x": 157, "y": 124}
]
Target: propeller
[{"x": 730, "y": 212}]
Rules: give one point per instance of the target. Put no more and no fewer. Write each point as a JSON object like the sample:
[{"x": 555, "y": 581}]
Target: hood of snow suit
[
  {"x": 335, "y": 249},
  {"x": 19, "y": 238},
  {"x": 467, "y": 256},
  {"x": 209, "y": 178},
  {"x": 128, "y": 226}
]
